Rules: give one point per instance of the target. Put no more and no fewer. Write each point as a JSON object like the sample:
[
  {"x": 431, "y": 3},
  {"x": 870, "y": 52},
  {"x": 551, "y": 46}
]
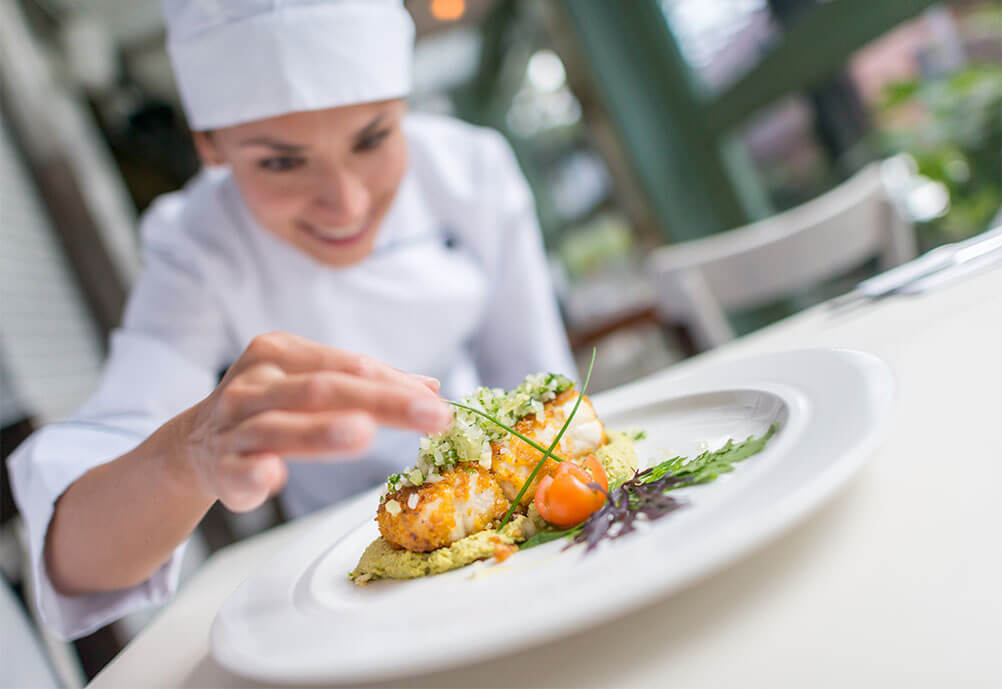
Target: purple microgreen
[
  {"x": 645, "y": 494},
  {"x": 625, "y": 504}
]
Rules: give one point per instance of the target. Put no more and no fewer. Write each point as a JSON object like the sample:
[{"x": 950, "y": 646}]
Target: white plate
[{"x": 299, "y": 619}]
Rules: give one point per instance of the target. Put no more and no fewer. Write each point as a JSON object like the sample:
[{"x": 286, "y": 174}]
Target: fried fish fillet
[
  {"x": 464, "y": 501},
  {"x": 513, "y": 459},
  {"x": 467, "y": 498}
]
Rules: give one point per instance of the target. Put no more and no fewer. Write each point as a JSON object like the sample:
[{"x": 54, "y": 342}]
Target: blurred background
[{"x": 646, "y": 128}]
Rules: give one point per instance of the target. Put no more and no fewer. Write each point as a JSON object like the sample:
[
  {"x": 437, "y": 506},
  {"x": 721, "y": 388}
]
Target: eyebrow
[
  {"x": 273, "y": 143},
  {"x": 370, "y": 128},
  {"x": 287, "y": 147}
]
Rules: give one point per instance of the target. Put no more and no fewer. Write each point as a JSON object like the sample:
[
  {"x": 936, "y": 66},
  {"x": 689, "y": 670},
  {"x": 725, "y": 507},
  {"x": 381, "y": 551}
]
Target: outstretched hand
[{"x": 287, "y": 396}]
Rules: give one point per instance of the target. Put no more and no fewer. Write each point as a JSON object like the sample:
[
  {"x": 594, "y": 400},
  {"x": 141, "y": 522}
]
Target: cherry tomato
[
  {"x": 597, "y": 472},
  {"x": 565, "y": 498}
]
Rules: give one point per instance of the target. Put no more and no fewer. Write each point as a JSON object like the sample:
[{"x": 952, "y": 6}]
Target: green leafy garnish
[
  {"x": 636, "y": 434},
  {"x": 541, "y": 537},
  {"x": 709, "y": 465},
  {"x": 646, "y": 493}
]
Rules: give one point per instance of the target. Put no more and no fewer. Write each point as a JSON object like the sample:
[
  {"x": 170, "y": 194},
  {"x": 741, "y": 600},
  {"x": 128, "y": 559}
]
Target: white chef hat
[{"x": 242, "y": 60}]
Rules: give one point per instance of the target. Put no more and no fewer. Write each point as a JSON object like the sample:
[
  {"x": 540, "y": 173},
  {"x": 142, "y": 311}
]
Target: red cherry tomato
[
  {"x": 598, "y": 474},
  {"x": 565, "y": 498}
]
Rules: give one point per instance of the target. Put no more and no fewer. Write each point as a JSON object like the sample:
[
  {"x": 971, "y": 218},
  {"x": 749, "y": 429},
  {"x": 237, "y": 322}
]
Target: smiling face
[{"x": 321, "y": 181}]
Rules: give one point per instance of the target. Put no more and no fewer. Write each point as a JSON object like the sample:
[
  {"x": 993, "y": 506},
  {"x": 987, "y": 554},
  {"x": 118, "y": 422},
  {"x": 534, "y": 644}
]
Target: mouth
[{"x": 336, "y": 236}]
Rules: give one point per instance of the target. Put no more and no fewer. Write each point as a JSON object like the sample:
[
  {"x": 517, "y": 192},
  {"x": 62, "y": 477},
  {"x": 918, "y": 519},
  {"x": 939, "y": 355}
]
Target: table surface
[{"x": 895, "y": 581}]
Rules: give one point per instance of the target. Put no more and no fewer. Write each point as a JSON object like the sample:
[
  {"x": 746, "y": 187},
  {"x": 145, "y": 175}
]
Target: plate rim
[{"x": 727, "y": 546}]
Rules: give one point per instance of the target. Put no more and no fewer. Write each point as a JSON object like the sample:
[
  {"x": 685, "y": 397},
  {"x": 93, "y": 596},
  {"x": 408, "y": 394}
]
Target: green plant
[{"x": 952, "y": 126}]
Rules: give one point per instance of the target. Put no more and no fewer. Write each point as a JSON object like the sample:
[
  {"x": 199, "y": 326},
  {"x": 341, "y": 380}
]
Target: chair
[{"x": 696, "y": 282}]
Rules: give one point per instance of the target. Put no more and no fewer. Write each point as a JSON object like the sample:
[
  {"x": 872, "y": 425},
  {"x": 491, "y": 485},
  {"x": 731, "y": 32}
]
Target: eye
[
  {"x": 371, "y": 141},
  {"x": 281, "y": 163}
]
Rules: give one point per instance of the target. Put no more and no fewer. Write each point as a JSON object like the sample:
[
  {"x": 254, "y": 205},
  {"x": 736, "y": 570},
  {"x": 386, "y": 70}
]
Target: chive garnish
[
  {"x": 549, "y": 452},
  {"x": 526, "y": 439}
]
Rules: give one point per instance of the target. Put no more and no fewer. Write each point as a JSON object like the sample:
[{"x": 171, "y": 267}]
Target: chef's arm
[{"x": 119, "y": 522}]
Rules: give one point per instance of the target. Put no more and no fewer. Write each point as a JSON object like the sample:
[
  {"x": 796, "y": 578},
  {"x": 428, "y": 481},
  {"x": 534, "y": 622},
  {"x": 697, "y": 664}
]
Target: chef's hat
[{"x": 242, "y": 60}]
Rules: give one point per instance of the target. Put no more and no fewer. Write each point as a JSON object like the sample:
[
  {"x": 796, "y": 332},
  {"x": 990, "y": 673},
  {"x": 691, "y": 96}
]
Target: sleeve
[
  {"x": 522, "y": 332},
  {"x": 163, "y": 359}
]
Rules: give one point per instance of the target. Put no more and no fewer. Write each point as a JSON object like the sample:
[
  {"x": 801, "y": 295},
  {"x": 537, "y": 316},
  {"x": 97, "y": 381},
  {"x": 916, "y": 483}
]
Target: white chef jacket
[{"x": 456, "y": 288}]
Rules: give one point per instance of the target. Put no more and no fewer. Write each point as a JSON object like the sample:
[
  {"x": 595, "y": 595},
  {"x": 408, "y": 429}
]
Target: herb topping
[{"x": 477, "y": 423}]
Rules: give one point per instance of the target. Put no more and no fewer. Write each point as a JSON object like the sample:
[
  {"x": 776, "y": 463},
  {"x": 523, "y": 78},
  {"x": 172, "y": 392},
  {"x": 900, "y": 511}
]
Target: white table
[{"x": 895, "y": 582}]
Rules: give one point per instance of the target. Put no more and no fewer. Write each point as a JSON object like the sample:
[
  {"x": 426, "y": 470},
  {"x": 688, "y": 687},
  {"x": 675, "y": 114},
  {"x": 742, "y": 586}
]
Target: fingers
[
  {"x": 245, "y": 482},
  {"x": 429, "y": 382},
  {"x": 298, "y": 355},
  {"x": 288, "y": 396},
  {"x": 295, "y": 433},
  {"x": 387, "y": 403}
]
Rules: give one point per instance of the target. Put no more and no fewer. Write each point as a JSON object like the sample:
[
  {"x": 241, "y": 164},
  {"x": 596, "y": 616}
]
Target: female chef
[{"x": 332, "y": 243}]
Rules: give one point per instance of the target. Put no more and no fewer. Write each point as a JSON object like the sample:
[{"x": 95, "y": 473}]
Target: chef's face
[{"x": 321, "y": 181}]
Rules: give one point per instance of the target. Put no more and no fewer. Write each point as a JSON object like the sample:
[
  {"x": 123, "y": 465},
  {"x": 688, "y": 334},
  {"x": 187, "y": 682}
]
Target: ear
[{"x": 206, "y": 148}]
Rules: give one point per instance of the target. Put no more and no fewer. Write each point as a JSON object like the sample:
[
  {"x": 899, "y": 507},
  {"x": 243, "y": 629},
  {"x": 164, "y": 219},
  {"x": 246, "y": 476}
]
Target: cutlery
[{"x": 928, "y": 270}]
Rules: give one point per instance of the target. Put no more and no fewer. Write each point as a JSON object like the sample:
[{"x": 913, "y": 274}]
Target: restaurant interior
[{"x": 701, "y": 169}]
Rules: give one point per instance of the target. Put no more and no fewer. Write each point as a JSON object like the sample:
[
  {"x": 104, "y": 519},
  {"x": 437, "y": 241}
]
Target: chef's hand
[{"x": 286, "y": 396}]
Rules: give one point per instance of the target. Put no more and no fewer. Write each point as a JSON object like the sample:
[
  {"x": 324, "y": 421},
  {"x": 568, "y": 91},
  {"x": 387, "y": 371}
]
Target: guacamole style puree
[{"x": 382, "y": 560}]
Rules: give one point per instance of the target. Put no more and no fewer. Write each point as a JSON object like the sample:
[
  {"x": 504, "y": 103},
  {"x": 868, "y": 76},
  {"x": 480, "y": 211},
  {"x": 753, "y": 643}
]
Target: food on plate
[
  {"x": 383, "y": 560},
  {"x": 470, "y": 475},
  {"x": 644, "y": 496},
  {"x": 451, "y": 507},
  {"x": 572, "y": 493},
  {"x": 520, "y": 468}
]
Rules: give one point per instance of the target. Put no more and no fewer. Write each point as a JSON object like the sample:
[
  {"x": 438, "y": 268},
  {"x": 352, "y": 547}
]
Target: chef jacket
[{"x": 456, "y": 288}]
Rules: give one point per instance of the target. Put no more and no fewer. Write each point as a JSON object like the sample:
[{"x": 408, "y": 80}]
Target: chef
[{"x": 337, "y": 269}]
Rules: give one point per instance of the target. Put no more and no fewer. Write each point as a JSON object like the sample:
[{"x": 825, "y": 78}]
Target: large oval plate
[{"x": 299, "y": 619}]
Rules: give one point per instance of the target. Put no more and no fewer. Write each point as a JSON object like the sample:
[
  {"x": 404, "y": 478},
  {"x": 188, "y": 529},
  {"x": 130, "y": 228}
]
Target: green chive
[
  {"x": 549, "y": 452},
  {"x": 511, "y": 430}
]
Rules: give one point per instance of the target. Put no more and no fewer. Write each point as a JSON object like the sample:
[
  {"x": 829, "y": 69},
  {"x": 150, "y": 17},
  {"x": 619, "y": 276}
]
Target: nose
[{"x": 342, "y": 198}]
